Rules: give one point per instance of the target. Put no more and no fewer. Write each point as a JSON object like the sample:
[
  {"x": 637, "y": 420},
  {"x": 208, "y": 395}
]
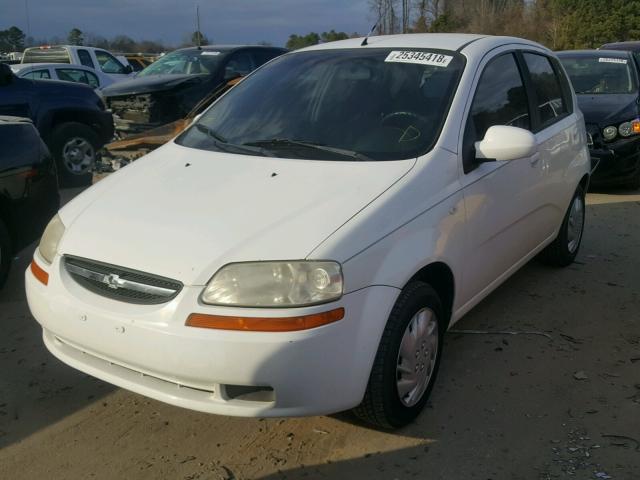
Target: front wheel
[
  {"x": 407, "y": 360},
  {"x": 564, "y": 249}
]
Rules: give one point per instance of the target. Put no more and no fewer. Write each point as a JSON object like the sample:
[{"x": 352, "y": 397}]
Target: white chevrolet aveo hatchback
[{"x": 302, "y": 248}]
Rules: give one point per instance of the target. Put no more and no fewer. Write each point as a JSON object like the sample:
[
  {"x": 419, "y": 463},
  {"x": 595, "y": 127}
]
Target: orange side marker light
[
  {"x": 264, "y": 324},
  {"x": 39, "y": 273}
]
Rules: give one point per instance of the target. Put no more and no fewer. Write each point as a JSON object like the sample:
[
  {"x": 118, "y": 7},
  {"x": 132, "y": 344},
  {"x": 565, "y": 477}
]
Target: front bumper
[
  {"x": 147, "y": 349},
  {"x": 618, "y": 162}
]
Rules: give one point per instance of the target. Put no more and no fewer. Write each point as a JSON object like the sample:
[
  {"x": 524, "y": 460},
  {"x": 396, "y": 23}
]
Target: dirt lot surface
[{"x": 505, "y": 406}]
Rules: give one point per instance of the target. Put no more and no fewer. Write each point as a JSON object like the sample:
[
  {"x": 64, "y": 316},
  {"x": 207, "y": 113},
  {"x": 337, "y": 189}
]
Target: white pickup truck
[{"x": 92, "y": 57}]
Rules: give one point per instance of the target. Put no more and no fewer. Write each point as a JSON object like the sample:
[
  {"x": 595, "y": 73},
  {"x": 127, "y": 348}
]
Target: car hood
[
  {"x": 151, "y": 83},
  {"x": 184, "y": 213},
  {"x": 604, "y": 109}
]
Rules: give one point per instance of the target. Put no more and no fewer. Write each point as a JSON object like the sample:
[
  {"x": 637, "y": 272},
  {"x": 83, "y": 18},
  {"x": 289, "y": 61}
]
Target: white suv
[{"x": 302, "y": 248}]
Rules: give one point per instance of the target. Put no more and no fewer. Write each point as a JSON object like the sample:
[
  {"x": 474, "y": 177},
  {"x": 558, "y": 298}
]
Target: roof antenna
[
  {"x": 365, "y": 41},
  {"x": 198, "y": 34}
]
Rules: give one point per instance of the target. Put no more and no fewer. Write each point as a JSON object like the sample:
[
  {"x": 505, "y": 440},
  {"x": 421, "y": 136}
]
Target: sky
[{"x": 223, "y": 21}]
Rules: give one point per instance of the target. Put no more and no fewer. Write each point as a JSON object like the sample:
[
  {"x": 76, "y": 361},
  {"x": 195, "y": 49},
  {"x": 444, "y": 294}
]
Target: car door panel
[{"x": 504, "y": 211}]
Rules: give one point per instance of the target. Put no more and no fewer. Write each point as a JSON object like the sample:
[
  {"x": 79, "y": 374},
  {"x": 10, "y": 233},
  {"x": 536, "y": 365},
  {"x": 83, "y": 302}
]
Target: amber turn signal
[
  {"x": 265, "y": 324},
  {"x": 39, "y": 273},
  {"x": 635, "y": 125}
]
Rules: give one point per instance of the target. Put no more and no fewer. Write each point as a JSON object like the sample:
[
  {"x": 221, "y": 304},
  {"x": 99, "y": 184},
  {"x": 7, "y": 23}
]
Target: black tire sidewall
[
  {"x": 59, "y": 137},
  {"x": 563, "y": 237},
  {"x": 417, "y": 296}
]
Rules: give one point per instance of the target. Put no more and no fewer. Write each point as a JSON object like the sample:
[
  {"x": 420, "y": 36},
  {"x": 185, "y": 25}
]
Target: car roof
[
  {"x": 228, "y": 48},
  {"x": 437, "y": 41},
  {"x": 621, "y": 46},
  {"x": 594, "y": 53}
]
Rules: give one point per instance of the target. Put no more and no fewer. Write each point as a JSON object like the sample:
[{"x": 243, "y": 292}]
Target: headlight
[
  {"x": 625, "y": 129},
  {"x": 275, "y": 284},
  {"x": 51, "y": 238},
  {"x": 610, "y": 132}
]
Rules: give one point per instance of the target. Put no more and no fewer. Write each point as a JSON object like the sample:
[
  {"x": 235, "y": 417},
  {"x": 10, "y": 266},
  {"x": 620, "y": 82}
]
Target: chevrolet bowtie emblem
[{"x": 112, "y": 281}]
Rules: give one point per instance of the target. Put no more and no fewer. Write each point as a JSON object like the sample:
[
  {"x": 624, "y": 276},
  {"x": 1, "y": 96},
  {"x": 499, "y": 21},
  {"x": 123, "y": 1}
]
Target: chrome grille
[{"x": 120, "y": 283}]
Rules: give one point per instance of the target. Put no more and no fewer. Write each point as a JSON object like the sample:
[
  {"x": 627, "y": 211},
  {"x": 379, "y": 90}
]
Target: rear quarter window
[{"x": 85, "y": 58}]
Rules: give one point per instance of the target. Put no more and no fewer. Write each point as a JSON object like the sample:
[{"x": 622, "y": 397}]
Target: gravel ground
[{"x": 505, "y": 406}]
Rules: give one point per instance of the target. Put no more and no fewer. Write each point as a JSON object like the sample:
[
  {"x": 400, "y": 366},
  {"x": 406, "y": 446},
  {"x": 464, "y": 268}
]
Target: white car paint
[
  {"x": 53, "y": 69},
  {"x": 383, "y": 221}
]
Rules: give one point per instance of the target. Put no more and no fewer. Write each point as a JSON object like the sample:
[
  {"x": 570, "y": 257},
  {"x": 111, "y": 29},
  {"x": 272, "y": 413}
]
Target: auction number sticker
[
  {"x": 421, "y": 58},
  {"x": 613, "y": 60}
]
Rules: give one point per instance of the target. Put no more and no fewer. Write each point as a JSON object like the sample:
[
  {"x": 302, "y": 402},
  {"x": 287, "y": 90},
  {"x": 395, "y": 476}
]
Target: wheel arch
[
  {"x": 440, "y": 277},
  {"x": 68, "y": 115},
  {"x": 584, "y": 182}
]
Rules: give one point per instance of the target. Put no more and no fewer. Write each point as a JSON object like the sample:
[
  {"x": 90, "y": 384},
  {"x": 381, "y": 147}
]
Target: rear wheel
[
  {"x": 5, "y": 252},
  {"x": 74, "y": 146},
  {"x": 407, "y": 360},
  {"x": 563, "y": 250}
]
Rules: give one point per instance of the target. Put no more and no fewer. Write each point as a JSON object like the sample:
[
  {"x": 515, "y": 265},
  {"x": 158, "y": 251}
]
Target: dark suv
[
  {"x": 170, "y": 87},
  {"x": 28, "y": 188},
  {"x": 71, "y": 119}
]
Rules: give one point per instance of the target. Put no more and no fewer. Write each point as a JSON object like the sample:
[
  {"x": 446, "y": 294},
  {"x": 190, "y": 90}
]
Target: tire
[
  {"x": 382, "y": 405},
  {"x": 5, "y": 252},
  {"x": 74, "y": 146},
  {"x": 563, "y": 250}
]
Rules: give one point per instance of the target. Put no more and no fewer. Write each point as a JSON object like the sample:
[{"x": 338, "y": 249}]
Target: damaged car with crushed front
[
  {"x": 169, "y": 88},
  {"x": 302, "y": 247},
  {"x": 608, "y": 91}
]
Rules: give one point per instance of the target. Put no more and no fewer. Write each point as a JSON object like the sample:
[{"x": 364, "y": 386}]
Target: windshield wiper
[
  {"x": 225, "y": 146},
  {"x": 285, "y": 142}
]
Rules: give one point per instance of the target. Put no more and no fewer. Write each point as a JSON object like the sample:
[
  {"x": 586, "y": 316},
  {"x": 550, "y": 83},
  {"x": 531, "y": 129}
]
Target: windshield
[
  {"x": 189, "y": 62},
  {"x": 600, "y": 74},
  {"x": 364, "y": 104}
]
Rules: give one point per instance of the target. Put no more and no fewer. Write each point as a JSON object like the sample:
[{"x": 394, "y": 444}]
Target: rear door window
[
  {"x": 547, "y": 88},
  {"x": 85, "y": 59},
  {"x": 78, "y": 76},
  {"x": 501, "y": 98},
  {"x": 38, "y": 75}
]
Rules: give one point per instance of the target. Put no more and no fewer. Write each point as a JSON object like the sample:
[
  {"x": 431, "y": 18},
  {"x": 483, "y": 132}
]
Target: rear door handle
[{"x": 535, "y": 159}]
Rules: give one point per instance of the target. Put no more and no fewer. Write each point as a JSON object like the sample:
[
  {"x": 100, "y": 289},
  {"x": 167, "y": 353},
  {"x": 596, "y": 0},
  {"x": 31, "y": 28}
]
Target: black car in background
[
  {"x": 28, "y": 188},
  {"x": 633, "y": 47},
  {"x": 608, "y": 90},
  {"x": 170, "y": 87},
  {"x": 71, "y": 119}
]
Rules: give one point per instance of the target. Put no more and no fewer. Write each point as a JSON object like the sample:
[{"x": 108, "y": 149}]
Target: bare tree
[{"x": 386, "y": 11}]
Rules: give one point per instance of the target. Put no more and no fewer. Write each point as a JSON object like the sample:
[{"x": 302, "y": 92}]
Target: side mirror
[
  {"x": 6, "y": 75},
  {"x": 503, "y": 143},
  {"x": 128, "y": 69}
]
